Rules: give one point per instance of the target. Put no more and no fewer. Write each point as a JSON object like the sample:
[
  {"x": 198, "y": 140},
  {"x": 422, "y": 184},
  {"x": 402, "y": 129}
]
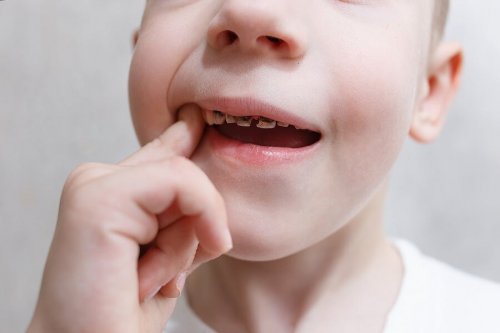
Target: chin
[
  {"x": 264, "y": 232},
  {"x": 262, "y": 238},
  {"x": 264, "y": 213}
]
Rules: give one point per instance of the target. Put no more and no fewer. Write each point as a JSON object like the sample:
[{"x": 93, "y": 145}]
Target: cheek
[
  {"x": 148, "y": 82},
  {"x": 375, "y": 92},
  {"x": 158, "y": 55},
  {"x": 373, "y": 98},
  {"x": 375, "y": 116}
]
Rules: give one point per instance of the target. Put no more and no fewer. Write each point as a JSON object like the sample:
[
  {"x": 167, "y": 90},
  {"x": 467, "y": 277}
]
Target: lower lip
[{"x": 252, "y": 154}]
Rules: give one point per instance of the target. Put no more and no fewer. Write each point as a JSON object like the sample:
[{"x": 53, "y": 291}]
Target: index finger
[{"x": 179, "y": 139}]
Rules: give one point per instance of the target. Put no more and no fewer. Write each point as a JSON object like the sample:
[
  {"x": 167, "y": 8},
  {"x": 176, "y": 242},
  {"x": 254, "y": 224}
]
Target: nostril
[
  {"x": 231, "y": 36},
  {"x": 274, "y": 40},
  {"x": 226, "y": 38}
]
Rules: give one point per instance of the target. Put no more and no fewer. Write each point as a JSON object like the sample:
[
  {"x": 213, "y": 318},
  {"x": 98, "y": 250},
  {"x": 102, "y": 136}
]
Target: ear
[
  {"x": 439, "y": 87},
  {"x": 135, "y": 37}
]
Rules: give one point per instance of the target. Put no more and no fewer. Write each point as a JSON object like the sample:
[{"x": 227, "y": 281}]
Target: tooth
[
  {"x": 266, "y": 123},
  {"x": 219, "y": 117},
  {"x": 209, "y": 117},
  {"x": 283, "y": 124},
  {"x": 245, "y": 121},
  {"x": 230, "y": 119}
]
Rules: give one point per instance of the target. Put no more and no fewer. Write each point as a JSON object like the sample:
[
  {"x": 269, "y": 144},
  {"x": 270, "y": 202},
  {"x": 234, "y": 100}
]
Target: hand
[{"x": 95, "y": 279}]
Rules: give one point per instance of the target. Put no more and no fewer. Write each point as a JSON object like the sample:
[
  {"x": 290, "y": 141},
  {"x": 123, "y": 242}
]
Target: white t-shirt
[{"x": 434, "y": 298}]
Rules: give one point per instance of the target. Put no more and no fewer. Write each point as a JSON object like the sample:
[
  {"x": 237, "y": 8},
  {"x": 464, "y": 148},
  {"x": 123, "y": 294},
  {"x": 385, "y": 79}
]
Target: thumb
[{"x": 181, "y": 138}]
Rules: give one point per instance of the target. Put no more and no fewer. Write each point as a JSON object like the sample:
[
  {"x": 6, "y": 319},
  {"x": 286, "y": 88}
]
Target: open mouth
[{"x": 260, "y": 130}]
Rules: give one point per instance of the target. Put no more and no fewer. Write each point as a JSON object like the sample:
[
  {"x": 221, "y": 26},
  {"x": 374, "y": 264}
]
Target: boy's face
[{"x": 350, "y": 70}]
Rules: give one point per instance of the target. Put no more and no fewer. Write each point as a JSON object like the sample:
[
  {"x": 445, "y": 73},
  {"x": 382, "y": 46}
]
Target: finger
[
  {"x": 154, "y": 187},
  {"x": 157, "y": 312},
  {"x": 173, "y": 213},
  {"x": 172, "y": 253},
  {"x": 87, "y": 172},
  {"x": 173, "y": 288},
  {"x": 158, "y": 269},
  {"x": 179, "y": 139}
]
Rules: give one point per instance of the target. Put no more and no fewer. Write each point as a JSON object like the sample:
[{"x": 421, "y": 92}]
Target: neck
[{"x": 283, "y": 294}]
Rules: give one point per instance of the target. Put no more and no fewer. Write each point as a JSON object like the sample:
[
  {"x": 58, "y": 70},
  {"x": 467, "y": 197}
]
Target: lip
[
  {"x": 249, "y": 154},
  {"x": 238, "y": 106}
]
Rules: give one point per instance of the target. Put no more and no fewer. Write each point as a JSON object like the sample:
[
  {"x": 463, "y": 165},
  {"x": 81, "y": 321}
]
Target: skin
[
  {"x": 376, "y": 80},
  {"x": 367, "y": 88},
  {"x": 367, "y": 64},
  {"x": 93, "y": 281}
]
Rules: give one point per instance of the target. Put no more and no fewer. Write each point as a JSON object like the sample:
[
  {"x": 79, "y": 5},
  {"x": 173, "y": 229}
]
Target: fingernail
[
  {"x": 181, "y": 280},
  {"x": 152, "y": 294}
]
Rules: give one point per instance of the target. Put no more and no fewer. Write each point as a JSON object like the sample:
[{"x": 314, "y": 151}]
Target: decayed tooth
[
  {"x": 219, "y": 117},
  {"x": 266, "y": 123},
  {"x": 281, "y": 124},
  {"x": 245, "y": 121},
  {"x": 230, "y": 119},
  {"x": 209, "y": 117}
]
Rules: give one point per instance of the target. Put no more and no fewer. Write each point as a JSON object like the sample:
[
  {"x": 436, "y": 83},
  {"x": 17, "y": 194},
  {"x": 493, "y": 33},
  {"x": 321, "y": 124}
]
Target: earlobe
[{"x": 440, "y": 86}]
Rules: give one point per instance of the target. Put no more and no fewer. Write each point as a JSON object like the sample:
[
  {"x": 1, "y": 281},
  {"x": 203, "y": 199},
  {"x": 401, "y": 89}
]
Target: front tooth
[
  {"x": 209, "y": 117},
  {"x": 283, "y": 124},
  {"x": 245, "y": 121},
  {"x": 266, "y": 123},
  {"x": 230, "y": 119},
  {"x": 219, "y": 117}
]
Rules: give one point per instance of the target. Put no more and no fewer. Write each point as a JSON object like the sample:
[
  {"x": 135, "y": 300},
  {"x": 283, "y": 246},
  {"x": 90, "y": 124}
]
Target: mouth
[{"x": 259, "y": 130}]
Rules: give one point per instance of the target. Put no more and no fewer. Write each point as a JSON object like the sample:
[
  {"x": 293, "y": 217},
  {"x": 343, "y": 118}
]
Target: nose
[{"x": 258, "y": 26}]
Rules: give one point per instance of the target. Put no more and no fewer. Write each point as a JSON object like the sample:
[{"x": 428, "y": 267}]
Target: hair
[{"x": 440, "y": 16}]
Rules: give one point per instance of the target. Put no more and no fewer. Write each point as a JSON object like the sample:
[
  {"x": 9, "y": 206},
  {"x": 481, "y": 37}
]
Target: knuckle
[
  {"x": 82, "y": 174},
  {"x": 155, "y": 143},
  {"x": 180, "y": 164},
  {"x": 90, "y": 204},
  {"x": 182, "y": 168},
  {"x": 83, "y": 169},
  {"x": 185, "y": 169},
  {"x": 76, "y": 174},
  {"x": 79, "y": 170}
]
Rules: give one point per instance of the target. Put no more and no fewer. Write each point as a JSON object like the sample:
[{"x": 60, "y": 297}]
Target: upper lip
[{"x": 243, "y": 106}]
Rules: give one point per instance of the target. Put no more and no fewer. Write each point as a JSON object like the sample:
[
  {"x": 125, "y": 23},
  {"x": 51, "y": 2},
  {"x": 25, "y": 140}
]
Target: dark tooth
[
  {"x": 266, "y": 123},
  {"x": 219, "y": 117},
  {"x": 245, "y": 121}
]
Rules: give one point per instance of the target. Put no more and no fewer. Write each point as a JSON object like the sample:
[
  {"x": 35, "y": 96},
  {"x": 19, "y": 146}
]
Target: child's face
[{"x": 350, "y": 70}]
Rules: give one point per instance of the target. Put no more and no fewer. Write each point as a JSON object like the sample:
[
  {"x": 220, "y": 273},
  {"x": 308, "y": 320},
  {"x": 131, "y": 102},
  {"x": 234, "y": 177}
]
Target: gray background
[{"x": 63, "y": 101}]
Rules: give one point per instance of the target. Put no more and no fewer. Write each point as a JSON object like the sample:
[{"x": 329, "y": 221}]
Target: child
[{"x": 272, "y": 128}]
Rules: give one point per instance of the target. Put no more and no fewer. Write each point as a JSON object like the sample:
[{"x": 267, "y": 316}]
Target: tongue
[{"x": 275, "y": 137}]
